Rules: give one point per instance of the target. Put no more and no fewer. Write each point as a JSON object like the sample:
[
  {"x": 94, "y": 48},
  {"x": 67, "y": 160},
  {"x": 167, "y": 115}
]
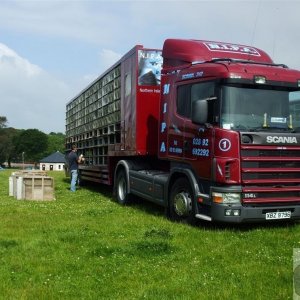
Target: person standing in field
[{"x": 74, "y": 160}]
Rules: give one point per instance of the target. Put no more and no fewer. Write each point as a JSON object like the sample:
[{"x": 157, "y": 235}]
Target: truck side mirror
[{"x": 200, "y": 111}]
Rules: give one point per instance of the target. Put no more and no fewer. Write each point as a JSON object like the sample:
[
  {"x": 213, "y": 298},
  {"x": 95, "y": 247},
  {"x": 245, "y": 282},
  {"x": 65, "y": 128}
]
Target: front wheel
[
  {"x": 181, "y": 202},
  {"x": 122, "y": 194}
]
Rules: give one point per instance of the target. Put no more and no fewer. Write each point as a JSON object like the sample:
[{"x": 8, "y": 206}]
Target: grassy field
[{"x": 83, "y": 245}]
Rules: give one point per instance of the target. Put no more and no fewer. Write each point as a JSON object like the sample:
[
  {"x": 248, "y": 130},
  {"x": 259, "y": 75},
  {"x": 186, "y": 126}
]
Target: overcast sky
[{"x": 50, "y": 49}]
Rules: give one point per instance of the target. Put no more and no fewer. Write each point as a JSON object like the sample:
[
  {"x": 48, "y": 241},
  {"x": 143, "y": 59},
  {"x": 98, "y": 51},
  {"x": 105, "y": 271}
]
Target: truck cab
[{"x": 230, "y": 127}]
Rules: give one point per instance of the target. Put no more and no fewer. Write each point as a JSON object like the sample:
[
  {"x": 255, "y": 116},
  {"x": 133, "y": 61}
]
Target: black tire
[
  {"x": 122, "y": 194},
  {"x": 181, "y": 202}
]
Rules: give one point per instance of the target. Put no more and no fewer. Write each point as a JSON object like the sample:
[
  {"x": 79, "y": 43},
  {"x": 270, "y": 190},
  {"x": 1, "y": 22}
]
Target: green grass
[{"x": 83, "y": 245}]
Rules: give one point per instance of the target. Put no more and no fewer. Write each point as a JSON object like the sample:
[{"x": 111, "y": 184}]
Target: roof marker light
[
  {"x": 235, "y": 76},
  {"x": 259, "y": 79}
]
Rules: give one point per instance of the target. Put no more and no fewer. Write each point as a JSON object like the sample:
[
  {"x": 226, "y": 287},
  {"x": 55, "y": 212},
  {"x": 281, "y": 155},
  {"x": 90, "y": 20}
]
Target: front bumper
[{"x": 250, "y": 214}]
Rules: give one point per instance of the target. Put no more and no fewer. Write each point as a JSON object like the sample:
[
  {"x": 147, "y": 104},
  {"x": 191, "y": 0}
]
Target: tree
[
  {"x": 56, "y": 142},
  {"x": 8, "y": 145},
  {"x": 32, "y": 144},
  {"x": 3, "y": 121},
  {"x": 5, "y": 140}
]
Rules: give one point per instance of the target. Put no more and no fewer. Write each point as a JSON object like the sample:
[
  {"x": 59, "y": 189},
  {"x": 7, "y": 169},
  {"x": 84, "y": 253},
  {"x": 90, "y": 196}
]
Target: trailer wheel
[
  {"x": 80, "y": 181},
  {"x": 122, "y": 188},
  {"x": 181, "y": 205}
]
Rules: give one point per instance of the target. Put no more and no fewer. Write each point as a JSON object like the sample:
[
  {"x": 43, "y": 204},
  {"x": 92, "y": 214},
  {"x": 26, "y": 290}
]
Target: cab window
[{"x": 188, "y": 93}]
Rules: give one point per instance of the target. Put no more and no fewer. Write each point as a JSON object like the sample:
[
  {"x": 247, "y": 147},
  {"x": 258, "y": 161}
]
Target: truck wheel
[
  {"x": 122, "y": 188},
  {"x": 181, "y": 206}
]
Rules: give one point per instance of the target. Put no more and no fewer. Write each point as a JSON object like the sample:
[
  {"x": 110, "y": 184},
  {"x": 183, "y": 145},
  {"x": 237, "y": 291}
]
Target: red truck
[{"x": 208, "y": 130}]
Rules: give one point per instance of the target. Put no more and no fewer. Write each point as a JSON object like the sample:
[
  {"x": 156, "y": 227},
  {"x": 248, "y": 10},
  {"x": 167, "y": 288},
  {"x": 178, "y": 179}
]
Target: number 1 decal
[{"x": 224, "y": 145}]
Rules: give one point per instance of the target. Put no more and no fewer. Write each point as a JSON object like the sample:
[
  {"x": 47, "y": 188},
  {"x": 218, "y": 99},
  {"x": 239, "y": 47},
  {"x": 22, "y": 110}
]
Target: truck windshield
[{"x": 256, "y": 109}]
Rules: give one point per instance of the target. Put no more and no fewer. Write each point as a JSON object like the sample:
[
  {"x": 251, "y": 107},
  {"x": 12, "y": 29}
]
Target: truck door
[
  {"x": 177, "y": 116},
  {"x": 197, "y": 139}
]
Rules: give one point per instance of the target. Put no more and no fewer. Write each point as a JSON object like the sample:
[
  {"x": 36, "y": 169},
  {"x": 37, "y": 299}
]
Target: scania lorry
[{"x": 208, "y": 130}]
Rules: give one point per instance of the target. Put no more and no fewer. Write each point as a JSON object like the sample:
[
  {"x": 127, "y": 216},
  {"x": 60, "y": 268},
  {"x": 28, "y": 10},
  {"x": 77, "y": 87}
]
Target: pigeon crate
[
  {"x": 37, "y": 188},
  {"x": 13, "y": 179},
  {"x": 14, "y": 190}
]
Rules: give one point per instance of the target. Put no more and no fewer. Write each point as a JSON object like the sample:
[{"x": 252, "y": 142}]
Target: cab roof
[{"x": 180, "y": 52}]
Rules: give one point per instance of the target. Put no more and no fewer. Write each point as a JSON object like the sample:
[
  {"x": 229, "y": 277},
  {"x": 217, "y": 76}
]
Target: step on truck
[{"x": 209, "y": 130}]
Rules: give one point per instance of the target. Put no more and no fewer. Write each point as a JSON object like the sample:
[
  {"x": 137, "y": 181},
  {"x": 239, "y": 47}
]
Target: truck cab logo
[
  {"x": 281, "y": 139},
  {"x": 231, "y": 48}
]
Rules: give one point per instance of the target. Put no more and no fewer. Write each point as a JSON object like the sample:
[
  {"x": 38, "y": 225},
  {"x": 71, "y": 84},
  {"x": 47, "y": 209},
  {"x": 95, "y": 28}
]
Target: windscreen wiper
[{"x": 269, "y": 128}]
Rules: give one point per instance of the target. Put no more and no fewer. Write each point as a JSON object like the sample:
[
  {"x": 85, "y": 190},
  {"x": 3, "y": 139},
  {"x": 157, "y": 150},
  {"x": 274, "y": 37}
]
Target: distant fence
[{"x": 21, "y": 165}]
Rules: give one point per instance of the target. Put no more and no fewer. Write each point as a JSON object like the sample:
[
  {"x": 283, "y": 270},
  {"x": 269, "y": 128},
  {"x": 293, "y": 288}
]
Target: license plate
[{"x": 278, "y": 215}]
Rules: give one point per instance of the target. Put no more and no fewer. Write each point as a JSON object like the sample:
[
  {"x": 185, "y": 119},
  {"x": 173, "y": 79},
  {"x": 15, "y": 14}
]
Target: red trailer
[{"x": 208, "y": 130}]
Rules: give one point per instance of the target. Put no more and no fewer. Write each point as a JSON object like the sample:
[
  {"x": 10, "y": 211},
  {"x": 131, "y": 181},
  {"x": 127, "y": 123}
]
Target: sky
[{"x": 51, "y": 49}]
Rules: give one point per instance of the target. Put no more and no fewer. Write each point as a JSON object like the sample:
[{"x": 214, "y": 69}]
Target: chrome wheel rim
[{"x": 182, "y": 204}]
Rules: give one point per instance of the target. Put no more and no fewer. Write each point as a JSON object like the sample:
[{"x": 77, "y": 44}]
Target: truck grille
[{"x": 270, "y": 174}]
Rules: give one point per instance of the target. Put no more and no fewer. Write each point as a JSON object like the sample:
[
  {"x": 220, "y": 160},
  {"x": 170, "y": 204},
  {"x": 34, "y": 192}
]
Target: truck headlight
[{"x": 226, "y": 198}]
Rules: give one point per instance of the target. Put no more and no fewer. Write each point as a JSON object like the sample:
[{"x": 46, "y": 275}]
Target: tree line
[{"x": 30, "y": 145}]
